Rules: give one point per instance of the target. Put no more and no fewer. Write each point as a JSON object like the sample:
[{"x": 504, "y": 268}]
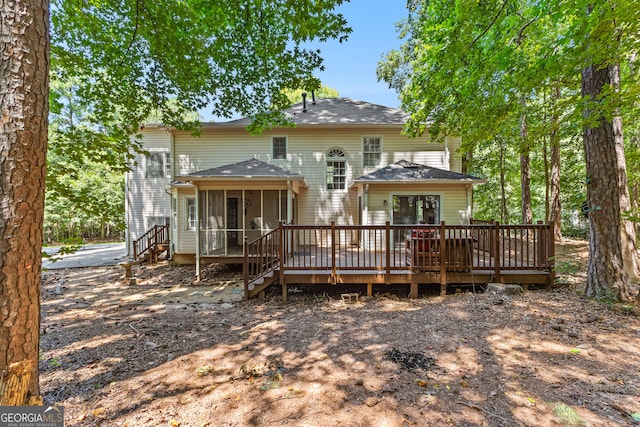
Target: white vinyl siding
[
  {"x": 146, "y": 200},
  {"x": 307, "y": 148}
]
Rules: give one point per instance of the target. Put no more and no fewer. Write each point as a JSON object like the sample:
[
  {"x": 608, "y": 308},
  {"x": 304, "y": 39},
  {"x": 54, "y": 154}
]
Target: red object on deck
[{"x": 422, "y": 237}]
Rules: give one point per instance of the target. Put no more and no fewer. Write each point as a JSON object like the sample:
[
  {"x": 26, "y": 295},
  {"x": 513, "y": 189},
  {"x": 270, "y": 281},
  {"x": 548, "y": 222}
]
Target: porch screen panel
[
  {"x": 211, "y": 222},
  {"x": 271, "y": 209}
]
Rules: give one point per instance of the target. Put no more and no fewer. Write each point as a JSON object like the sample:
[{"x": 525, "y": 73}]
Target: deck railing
[
  {"x": 156, "y": 235},
  {"x": 383, "y": 249},
  {"x": 262, "y": 256}
]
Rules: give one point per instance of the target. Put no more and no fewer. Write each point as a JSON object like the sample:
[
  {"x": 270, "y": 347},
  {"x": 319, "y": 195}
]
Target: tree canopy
[
  {"x": 513, "y": 72},
  {"x": 131, "y": 58}
]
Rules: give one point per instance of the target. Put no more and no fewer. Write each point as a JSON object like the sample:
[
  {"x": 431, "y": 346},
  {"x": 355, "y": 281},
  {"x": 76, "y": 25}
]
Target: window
[
  {"x": 191, "y": 213},
  {"x": 158, "y": 165},
  {"x": 415, "y": 209},
  {"x": 371, "y": 149},
  {"x": 279, "y": 144},
  {"x": 336, "y": 169},
  {"x": 157, "y": 220}
]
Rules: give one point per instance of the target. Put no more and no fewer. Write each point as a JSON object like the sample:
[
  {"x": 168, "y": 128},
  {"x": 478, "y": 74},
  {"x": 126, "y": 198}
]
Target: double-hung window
[
  {"x": 371, "y": 151},
  {"x": 158, "y": 164},
  {"x": 191, "y": 213},
  {"x": 279, "y": 147}
]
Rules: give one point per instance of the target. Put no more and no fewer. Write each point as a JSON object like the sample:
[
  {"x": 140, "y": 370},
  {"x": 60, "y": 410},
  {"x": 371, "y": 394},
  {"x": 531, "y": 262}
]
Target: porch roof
[
  {"x": 404, "y": 171},
  {"x": 252, "y": 169}
]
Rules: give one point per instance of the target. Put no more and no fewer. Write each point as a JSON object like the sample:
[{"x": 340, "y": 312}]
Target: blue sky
[{"x": 350, "y": 67}]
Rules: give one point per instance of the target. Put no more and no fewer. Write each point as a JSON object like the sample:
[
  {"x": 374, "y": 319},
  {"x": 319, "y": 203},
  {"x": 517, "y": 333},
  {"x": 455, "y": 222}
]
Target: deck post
[
  {"x": 443, "y": 260},
  {"x": 551, "y": 260},
  {"x": 369, "y": 289},
  {"x": 541, "y": 250},
  {"x": 282, "y": 260},
  {"x": 413, "y": 290},
  {"x": 245, "y": 269},
  {"x": 495, "y": 249},
  {"x": 334, "y": 279},
  {"x": 387, "y": 274}
]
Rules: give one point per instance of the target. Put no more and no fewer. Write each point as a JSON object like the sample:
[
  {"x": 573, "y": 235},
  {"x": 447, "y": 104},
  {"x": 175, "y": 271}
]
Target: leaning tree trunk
[
  {"x": 610, "y": 248},
  {"x": 24, "y": 73}
]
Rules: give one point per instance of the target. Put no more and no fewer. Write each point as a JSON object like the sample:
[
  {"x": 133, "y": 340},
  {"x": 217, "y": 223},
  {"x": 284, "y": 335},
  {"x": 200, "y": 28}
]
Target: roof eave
[
  {"x": 201, "y": 178},
  {"x": 420, "y": 181}
]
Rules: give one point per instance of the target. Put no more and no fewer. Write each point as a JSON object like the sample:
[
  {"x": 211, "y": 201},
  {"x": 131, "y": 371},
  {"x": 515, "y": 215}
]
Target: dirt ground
[{"x": 167, "y": 352}]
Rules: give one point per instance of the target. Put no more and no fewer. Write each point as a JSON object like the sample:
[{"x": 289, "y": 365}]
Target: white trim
[
  {"x": 286, "y": 147},
  {"x": 416, "y": 192},
  {"x": 380, "y": 151}
]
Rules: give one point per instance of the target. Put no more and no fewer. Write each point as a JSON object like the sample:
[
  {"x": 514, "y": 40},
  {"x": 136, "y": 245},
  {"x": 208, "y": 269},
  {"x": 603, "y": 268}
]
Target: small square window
[
  {"x": 279, "y": 147},
  {"x": 371, "y": 151}
]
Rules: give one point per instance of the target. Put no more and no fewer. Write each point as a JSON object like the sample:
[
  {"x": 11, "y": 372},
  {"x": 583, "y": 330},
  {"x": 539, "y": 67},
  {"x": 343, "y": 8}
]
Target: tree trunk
[
  {"x": 24, "y": 73},
  {"x": 610, "y": 269},
  {"x": 503, "y": 195},
  {"x": 555, "y": 210},
  {"x": 525, "y": 168}
]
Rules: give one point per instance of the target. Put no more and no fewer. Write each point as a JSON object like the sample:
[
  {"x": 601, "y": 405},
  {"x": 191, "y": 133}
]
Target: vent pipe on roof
[
  {"x": 304, "y": 102},
  {"x": 313, "y": 97}
]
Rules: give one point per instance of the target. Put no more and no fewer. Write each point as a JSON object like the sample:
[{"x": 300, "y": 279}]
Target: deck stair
[
  {"x": 262, "y": 262},
  {"x": 261, "y": 283},
  {"x": 151, "y": 244}
]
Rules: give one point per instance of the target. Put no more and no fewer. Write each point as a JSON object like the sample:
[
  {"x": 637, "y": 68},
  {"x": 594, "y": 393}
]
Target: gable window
[
  {"x": 279, "y": 147},
  {"x": 336, "y": 169},
  {"x": 158, "y": 165},
  {"x": 371, "y": 150},
  {"x": 191, "y": 213}
]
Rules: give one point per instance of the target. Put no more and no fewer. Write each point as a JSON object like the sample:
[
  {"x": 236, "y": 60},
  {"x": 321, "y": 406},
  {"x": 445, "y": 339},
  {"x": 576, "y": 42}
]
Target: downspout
[
  {"x": 127, "y": 210},
  {"x": 195, "y": 186}
]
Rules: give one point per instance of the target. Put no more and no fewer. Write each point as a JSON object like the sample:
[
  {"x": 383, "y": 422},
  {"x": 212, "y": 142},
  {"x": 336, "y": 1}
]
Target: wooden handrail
[
  {"x": 156, "y": 235},
  {"x": 261, "y": 256}
]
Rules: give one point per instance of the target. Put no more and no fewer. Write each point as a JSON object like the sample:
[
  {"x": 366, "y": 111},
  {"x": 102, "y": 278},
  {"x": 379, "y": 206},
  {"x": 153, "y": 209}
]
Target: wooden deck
[{"x": 441, "y": 255}]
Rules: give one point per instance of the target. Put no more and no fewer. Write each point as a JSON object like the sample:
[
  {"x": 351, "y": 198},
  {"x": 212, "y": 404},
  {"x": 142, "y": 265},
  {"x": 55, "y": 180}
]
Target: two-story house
[{"x": 345, "y": 161}]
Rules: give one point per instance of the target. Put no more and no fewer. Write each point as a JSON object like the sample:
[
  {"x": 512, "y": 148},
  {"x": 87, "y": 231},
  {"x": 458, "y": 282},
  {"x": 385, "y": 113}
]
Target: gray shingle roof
[
  {"x": 252, "y": 168},
  {"x": 337, "y": 111},
  {"x": 404, "y": 170}
]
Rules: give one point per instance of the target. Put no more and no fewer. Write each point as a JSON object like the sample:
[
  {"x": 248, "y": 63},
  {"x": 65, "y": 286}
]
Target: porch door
[{"x": 232, "y": 221}]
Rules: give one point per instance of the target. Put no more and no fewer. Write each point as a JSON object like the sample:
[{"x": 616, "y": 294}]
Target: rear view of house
[{"x": 346, "y": 162}]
